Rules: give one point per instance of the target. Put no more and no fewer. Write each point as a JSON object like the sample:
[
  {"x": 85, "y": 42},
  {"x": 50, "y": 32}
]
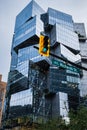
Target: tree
[
  {"x": 54, "y": 124},
  {"x": 78, "y": 120}
]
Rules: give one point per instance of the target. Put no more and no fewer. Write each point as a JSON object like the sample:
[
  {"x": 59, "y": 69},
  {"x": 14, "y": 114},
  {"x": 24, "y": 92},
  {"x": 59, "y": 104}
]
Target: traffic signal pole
[{"x": 67, "y": 61}]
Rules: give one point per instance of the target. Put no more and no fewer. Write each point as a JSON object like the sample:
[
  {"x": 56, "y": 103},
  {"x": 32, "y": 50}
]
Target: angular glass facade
[
  {"x": 27, "y": 30},
  {"x": 65, "y": 37},
  {"x": 30, "y": 11},
  {"x": 61, "y": 18},
  {"x": 35, "y": 83},
  {"x": 80, "y": 30},
  {"x": 21, "y": 104},
  {"x": 26, "y": 34},
  {"x": 69, "y": 55}
]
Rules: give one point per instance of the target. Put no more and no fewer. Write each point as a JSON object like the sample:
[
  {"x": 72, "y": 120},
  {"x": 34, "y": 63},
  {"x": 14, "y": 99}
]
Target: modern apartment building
[
  {"x": 2, "y": 96},
  {"x": 42, "y": 87}
]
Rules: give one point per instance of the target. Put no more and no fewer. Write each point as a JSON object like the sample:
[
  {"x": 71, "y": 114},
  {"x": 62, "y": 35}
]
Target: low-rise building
[{"x": 2, "y": 95}]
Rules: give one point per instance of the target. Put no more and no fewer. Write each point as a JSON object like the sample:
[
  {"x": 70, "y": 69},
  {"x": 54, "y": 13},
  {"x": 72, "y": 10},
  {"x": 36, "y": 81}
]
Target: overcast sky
[{"x": 10, "y": 8}]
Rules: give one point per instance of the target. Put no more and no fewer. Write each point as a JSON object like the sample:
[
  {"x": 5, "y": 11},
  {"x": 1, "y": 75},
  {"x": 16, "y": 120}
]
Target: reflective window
[
  {"x": 26, "y": 54},
  {"x": 64, "y": 108},
  {"x": 28, "y": 23},
  {"x": 25, "y": 32},
  {"x": 60, "y": 18},
  {"x": 13, "y": 60},
  {"x": 21, "y": 104},
  {"x": 33, "y": 27},
  {"x": 69, "y": 55},
  {"x": 21, "y": 98},
  {"x": 27, "y": 13},
  {"x": 80, "y": 29},
  {"x": 73, "y": 79},
  {"x": 67, "y": 37}
]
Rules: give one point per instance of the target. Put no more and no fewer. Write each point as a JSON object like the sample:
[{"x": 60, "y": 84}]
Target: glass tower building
[
  {"x": 26, "y": 34},
  {"x": 80, "y": 30},
  {"x": 42, "y": 87}
]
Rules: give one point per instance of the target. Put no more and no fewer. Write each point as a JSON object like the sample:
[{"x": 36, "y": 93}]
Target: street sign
[{"x": 65, "y": 66}]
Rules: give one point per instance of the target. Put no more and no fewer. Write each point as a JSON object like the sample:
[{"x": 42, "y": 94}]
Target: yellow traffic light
[{"x": 44, "y": 45}]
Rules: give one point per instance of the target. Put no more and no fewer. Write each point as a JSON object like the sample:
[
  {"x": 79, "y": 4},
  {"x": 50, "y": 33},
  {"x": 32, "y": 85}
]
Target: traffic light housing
[{"x": 44, "y": 45}]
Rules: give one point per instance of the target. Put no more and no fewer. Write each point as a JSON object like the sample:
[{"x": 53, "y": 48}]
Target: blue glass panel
[
  {"x": 25, "y": 32},
  {"x": 21, "y": 104},
  {"x": 65, "y": 36},
  {"x": 26, "y": 54},
  {"x": 58, "y": 17},
  {"x": 31, "y": 10}
]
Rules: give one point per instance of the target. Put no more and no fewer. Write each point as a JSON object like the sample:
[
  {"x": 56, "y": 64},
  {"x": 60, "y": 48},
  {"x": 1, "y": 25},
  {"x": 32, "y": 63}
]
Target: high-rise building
[
  {"x": 42, "y": 87},
  {"x": 80, "y": 30},
  {"x": 2, "y": 96},
  {"x": 27, "y": 29}
]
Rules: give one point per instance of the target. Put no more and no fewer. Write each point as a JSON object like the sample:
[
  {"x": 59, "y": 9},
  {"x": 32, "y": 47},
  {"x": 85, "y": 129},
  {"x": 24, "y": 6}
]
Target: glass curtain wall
[{"x": 26, "y": 34}]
